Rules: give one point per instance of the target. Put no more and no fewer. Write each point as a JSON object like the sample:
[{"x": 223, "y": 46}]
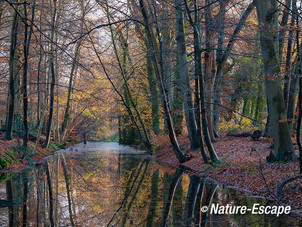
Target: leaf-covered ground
[
  {"x": 11, "y": 152},
  {"x": 243, "y": 166}
]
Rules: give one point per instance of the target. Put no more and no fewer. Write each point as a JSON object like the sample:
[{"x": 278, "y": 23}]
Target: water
[{"x": 105, "y": 184}]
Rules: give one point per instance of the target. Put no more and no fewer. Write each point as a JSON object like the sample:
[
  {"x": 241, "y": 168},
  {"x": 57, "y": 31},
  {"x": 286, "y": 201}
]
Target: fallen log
[{"x": 281, "y": 186}]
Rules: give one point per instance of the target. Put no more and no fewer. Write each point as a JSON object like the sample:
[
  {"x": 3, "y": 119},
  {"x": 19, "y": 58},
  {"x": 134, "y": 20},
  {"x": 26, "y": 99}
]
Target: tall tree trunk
[
  {"x": 71, "y": 76},
  {"x": 155, "y": 102},
  {"x": 292, "y": 99},
  {"x": 183, "y": 69},
  {"x": 219, "y": 54},
  {"x": 153, "y": 86},
  {"x": 123, "y": 69},
  {"x": 200, "y": 91},
  {"x": 267, "y": 17},
  {"x": 12, "y": 78},
  {"x": 288, "y": 70},
  {"x": 209, "y": 65},
  {"x": 158, "y": 68},
  {"x": 282, "y": 27},
  {"x": 300, "y": 95},
  {"x": 27, "y": 38},
  {"x": 177, "y": 105},
  {"x": 53, "y": 76},
  {"x": 290, "y": 79},
  {"x": 259, "y": 104}
]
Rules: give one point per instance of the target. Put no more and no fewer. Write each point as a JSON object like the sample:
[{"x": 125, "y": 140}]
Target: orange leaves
[
  {"x": 282, "y": 121},
  {"x": 287, "y": 120},
  {"x": 240, "y": 166}
]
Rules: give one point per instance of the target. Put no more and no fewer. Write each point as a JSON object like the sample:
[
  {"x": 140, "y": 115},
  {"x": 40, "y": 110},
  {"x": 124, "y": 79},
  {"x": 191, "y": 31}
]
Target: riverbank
[
  {"x": 11, "y": 153},
  {"x": 243, "y": 166}
]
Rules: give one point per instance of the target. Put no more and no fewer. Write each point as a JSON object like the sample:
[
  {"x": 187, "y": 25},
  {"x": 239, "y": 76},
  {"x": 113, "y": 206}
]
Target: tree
[
  {"x": 183, "y": 70},
  {"x": 157, "y": 59},
  {"x": 12, "y": 77},
  {"x": 267, "y": 19},
  {"x": 52, "y": 73}
]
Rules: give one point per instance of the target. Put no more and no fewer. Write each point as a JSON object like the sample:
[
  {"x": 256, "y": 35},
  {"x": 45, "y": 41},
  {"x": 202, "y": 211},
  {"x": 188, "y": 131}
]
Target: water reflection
[{"x": 111, "y": 185}]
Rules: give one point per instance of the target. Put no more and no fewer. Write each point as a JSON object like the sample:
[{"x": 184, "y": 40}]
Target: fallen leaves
[{"x": 240, "y": 167}]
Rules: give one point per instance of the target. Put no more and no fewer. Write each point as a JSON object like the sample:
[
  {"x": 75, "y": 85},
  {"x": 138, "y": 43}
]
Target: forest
[
  {"x": 186, "y": 74},
  {"x": 139, "y": 69}
]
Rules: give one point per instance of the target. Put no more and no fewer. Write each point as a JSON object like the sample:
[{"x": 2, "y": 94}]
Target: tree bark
[
  {"x": 12, "y": 78},
  {"x": 154, "y": 99},
  {"x": 289, "y": 56},
  {"x": 183, "y": 69},
  {"x": 209, "y": 65},
  {"x": 158, "y": 68},
  {"x": 267, "y": 17},
  {"x": 27, "y": 38},
  {"x": 53, "y": 76}
]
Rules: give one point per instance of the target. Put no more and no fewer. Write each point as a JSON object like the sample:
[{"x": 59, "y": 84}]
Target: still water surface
[{"x": 105, "y": 184}]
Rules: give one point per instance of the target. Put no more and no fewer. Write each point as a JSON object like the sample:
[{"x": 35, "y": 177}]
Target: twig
[{"x": 263, "y": 177}]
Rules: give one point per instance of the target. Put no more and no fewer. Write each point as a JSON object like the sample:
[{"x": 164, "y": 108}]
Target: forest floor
[
  {"x": 243, "y": 166},
  {"x": 11, "y": 153}
]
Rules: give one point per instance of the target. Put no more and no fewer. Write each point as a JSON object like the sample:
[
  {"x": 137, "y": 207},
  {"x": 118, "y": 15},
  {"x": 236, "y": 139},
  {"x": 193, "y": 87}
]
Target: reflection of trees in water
[
  {"x": 67, "y": 180},
  {"x": 153, "y": 198},
  {"x": 167, "y": 207},
  {"x": 117, "y": 190},
  {"x": 125, "y": 206}
]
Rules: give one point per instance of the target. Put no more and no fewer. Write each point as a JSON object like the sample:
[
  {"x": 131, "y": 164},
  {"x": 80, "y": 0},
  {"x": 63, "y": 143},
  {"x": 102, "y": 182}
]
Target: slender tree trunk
[
  {"x": 12, "y": 78},
  {"x": 177, "y": 105},
  {"x": 25, "y": 98},
  {"x": 71, "y": 76},
  {"x": 292, "y": 99},
  {"x": 53, "y": 76},
  {"x": 282, "y": 26},
  {"x": 219, "y": 54},
  {"x": 289, "y": 56},
  {"x": 209, "y": 65},
  {"x": 155, "y": 102},
  {"x": 27, "y": 38},
  {"x": 200, "y": 91},
  {"x": 123, "y": 69},
  {"x": 300, "y": 95},
  {"x": 259, "y": 104},
  {"x": 39, "y": 69},
  {"x": 158, "y": 67},
  {"x": 183, "y": 69}
]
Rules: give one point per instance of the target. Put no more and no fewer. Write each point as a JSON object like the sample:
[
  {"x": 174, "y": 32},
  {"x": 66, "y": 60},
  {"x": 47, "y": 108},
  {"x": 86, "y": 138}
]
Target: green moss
[{"x": 4, "y": 163}]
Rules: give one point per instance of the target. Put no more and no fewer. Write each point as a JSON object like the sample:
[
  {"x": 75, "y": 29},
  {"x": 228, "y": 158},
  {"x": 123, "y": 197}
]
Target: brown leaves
[{"x": 240, "y": 167}]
